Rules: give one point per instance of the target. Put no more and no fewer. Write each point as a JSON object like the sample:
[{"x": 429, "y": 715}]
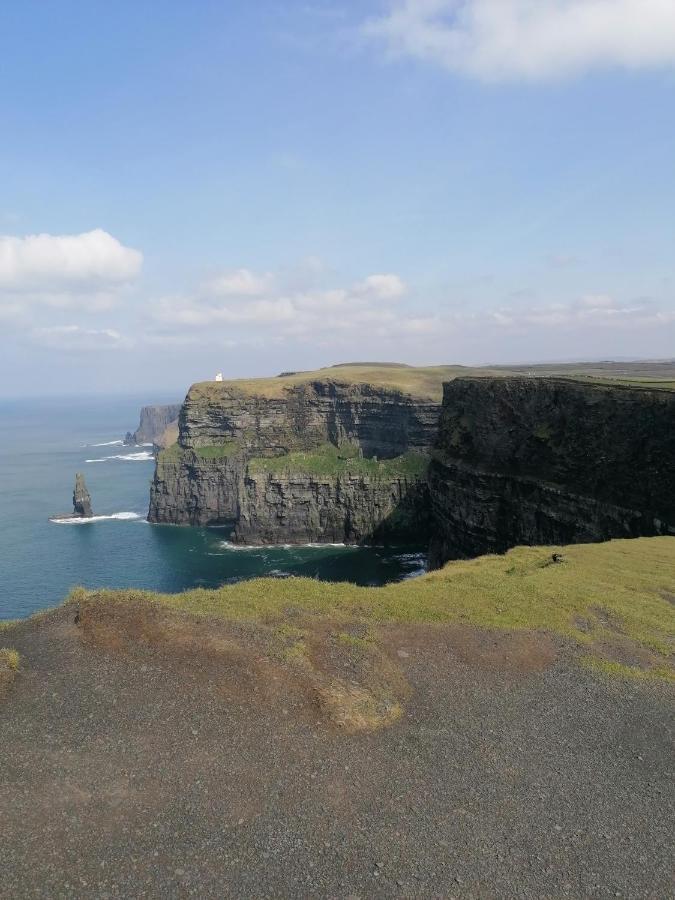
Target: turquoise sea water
[{"x": 44, "y": 443}]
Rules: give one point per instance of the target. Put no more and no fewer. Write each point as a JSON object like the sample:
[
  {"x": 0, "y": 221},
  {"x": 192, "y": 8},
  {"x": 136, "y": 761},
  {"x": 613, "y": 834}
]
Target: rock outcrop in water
[
  {"x": 550, "y": 461},
  {"x": 210, "y": 476},
  {"x": 81, "y": 498},
  {"x": 154, "y": 421}
]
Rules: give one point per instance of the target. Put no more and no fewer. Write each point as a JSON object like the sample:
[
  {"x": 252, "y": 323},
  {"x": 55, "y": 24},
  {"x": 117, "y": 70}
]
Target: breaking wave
[
  {"x": 143, "y": 456},
  {"x": 106, "y": 444},
  {"x": 78, "y": 521},
  {"x": 227, "y": 545}
]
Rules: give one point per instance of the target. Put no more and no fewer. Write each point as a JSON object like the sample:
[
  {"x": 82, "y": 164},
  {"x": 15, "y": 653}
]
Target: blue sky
[{"x": 250, "y": 187}]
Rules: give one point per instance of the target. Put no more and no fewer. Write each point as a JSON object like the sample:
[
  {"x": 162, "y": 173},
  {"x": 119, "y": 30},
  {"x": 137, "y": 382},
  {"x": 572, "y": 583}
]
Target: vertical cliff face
[
  {"x": 383, "y": 422},
  {"x": 206, "y": 478},
  {"x": 154, "y": 420},
  {"x": 346, "y": 508},
  {"x": 536, "y": 461}
]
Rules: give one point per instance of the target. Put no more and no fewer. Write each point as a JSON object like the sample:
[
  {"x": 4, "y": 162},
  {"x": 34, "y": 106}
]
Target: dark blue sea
[{"x": 45, "y": 442}]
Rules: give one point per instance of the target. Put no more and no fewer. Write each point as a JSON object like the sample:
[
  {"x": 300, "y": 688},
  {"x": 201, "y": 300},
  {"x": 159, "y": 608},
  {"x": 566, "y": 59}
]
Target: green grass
[
  {"x": 626, "y": 582},
  {"x": 329, "y": 460},
  {"x": 424, "y": 383},
  {"x": 219, "y": 451},
  {"x": 170, "y": 454},
  {"x": 619, "y": 670}
]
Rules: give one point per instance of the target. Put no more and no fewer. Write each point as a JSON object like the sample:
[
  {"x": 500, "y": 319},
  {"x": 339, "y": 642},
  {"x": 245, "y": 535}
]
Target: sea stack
[{"x": 81, "y": 498}]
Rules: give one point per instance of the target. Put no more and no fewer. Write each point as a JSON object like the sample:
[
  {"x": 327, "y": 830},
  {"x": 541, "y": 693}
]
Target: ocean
[{"x": 45, "y": 442}]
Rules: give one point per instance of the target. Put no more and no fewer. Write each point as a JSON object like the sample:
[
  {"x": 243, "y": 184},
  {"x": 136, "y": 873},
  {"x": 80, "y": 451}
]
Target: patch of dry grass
[{"x": 9, "y": 659}]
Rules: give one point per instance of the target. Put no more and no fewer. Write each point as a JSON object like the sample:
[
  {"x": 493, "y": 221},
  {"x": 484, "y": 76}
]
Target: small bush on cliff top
[{"x": 600, "y": 592}]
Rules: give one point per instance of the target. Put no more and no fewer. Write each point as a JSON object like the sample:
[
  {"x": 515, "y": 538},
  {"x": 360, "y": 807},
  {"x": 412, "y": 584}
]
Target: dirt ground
[{"x": 145, "y": 754}]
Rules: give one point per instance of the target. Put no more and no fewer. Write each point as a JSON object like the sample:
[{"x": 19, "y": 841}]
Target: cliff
[
  {"x": 361, "y": 449},
  {"x": 154, "y": 421},
  {"x": 550, "y": 461},
  {"x": 335, "y": 495}
]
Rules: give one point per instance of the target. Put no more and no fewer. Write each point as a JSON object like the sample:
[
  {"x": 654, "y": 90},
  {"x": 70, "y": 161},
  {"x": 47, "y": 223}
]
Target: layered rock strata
[
  {"x": 347, "y": 508},
  {"x": 206, "y": 477},
  {"x": 549, "y": 461}
]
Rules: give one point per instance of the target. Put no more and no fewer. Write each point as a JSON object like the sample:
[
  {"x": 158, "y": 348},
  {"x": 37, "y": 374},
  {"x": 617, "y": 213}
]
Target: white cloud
[
  {"x": 595, "y": 310},
  {"x": 240, "y": 283},
  {"x": 289, "y": 311},
  {"x": 76, "y": 338},
  {"x": 529, "y": 39},
  {"x": 58, "y": 263},
  {"x": 371, "y": 313}
]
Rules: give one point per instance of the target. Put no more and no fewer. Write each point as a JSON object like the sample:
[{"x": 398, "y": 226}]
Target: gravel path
[{"x": 141, "y": 773}]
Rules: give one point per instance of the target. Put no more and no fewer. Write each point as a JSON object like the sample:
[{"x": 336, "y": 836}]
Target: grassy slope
[
  {"x": 329, "y": 460},
  {"x": 423, "y": 383},
  {"x": 619, "y": 593},
  {"x": 426, "y": 383}
]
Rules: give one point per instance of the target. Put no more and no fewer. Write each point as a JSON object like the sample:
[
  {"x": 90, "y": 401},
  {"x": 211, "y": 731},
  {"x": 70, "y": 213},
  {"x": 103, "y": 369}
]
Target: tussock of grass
[
  {"x": 331, "y": 461},
  {"x": 625, "y": 582},
  {"x": 9, "y": 659}
]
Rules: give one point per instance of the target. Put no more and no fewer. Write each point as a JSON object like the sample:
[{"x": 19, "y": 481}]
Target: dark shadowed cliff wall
[{"x": 539, "y": 461}]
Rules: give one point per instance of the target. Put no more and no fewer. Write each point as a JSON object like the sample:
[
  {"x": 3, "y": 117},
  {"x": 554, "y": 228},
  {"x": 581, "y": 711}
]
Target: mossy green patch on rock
[
  {"x": 219, "y": 451},
  {"x": 333, "y": 461}
]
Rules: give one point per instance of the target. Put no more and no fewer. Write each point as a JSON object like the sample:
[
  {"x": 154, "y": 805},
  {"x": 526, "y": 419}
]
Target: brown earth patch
[
  {"x": 352, "y": 684},
  {"x": 509, "y": 652},
  {"x": 624, "y": 651}
]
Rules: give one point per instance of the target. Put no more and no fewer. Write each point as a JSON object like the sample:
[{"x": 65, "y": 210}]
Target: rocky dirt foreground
[{"x": 146, "y": 753}]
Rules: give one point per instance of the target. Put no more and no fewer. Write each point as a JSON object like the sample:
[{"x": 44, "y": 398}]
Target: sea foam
[
  {"x": 142, "y": 456},
  {"x": 88, "y": 521},
  {"x": 227, "y": 545}
]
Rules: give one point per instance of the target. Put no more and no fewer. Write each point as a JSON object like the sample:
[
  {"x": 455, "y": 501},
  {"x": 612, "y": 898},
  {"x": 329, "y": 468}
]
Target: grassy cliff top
[
  {"x": 615, "y": 600},
  {"x": 424, "y": 383}
]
